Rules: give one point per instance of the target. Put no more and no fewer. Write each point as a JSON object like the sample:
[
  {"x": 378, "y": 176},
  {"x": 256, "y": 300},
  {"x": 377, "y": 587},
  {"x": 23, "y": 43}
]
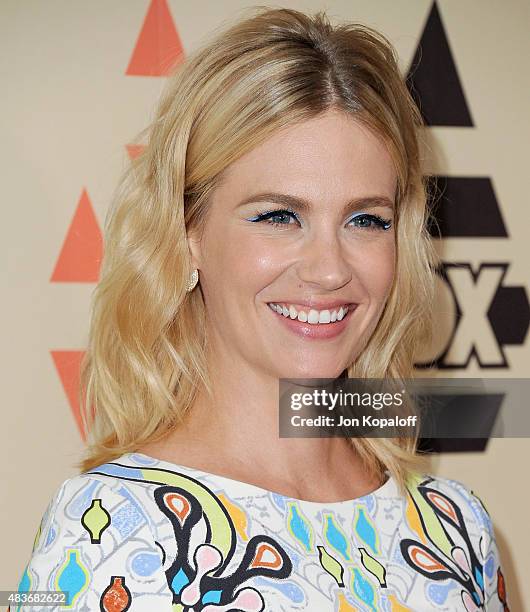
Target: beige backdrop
[{"x": 69, "y": 110}]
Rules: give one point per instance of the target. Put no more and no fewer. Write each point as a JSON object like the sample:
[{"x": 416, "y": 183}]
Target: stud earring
[{"x": 194, "y": 279}]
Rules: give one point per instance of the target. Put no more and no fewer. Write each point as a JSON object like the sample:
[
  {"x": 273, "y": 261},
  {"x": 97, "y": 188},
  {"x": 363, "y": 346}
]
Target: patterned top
[{"x": 143, "y": 534}]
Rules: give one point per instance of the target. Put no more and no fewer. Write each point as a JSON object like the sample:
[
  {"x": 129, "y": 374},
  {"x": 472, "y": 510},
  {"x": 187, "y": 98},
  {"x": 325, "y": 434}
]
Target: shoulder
[
  {"x": 454, "y": 505},
  {"x": 454, "y": 523},
  {"x": 70, "y": 488},
  {"x": 86, "y": 505},
  {"x": 450, "y": 497},
  {"x": 97, "y": 536},
  {"x": 80, "y": 498}
]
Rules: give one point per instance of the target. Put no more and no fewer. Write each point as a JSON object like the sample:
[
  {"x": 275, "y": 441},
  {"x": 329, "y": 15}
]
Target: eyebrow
[{"x": 301, "y": 204}]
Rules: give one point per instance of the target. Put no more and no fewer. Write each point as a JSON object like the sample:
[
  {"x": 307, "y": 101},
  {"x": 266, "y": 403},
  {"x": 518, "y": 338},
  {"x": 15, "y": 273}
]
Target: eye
[
  {"x": 282, "y": 217},
  {"x": 370, "y": 222},
  {"x": 276, "y": 217}
]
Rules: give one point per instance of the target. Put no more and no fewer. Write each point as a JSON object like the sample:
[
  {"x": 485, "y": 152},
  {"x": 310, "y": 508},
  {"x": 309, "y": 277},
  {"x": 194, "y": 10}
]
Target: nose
[{"x": 323, "y": 262}]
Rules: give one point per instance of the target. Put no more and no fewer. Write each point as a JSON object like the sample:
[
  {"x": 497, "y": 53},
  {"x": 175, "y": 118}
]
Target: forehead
[{"x": 333, "y": 155}]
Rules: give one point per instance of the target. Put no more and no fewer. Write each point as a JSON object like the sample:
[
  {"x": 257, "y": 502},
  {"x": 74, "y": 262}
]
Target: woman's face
[{"x": 302, "y": 224}]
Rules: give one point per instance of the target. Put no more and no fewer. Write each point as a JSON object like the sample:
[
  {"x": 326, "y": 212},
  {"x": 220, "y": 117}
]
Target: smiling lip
[
  {"x": 317, "y": 331},
  {"x": 316, "y": 304}
]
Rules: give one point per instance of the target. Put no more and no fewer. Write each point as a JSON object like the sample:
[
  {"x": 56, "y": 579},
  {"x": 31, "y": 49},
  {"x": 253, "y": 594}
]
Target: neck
[{"x": 236, "y": 433}]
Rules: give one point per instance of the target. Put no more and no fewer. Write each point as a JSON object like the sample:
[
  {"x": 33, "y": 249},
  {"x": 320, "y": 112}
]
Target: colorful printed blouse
[{"x": 143, "y": 534}]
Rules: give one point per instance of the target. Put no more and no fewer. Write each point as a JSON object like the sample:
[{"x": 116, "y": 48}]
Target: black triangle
[
  {"x": 464, "y": 207},
  {"x": 433, "y": 79}
]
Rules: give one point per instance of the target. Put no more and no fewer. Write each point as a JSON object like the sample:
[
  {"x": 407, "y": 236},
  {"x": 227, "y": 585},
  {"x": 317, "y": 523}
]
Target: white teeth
[
  {"x": 324, "y": 316},
  {"x": 302, "y": 316},
  {"x": 313, "y": 317}
]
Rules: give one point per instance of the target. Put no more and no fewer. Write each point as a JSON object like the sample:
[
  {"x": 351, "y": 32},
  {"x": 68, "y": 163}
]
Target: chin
[{"x": 312, "y": 372}]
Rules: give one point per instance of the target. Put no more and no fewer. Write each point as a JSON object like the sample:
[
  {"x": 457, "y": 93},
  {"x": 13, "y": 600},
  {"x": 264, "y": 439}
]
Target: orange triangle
[
  {"x": 158, "y": 48},
  {"x": 68, "y": 365},
  {"x": 82, "y": 251},
  {"x": 134, "y": 150}
]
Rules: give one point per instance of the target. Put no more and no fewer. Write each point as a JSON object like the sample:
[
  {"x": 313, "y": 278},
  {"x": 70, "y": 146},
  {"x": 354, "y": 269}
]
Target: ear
[{"x": 195, "y": 247}]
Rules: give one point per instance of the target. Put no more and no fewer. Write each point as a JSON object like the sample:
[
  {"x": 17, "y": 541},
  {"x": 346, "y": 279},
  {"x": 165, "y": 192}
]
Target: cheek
[
  {"x": 236, "y": 262},
  {"x": 258, "y": 261},
  {"x": 375, "y": 268}
]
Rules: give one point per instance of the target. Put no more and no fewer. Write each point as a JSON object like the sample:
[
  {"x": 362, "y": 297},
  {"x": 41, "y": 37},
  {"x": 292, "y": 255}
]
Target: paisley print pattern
[{"x": 143, "y": 534}]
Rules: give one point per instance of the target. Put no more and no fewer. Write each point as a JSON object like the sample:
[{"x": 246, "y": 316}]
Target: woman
[{"x": 274, "y": 227}]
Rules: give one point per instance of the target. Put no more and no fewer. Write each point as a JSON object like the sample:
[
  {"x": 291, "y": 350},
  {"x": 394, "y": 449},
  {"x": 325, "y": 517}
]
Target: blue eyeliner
[
  {"x": 384, "y": 224},
  {"x": 272, "y": 213}
]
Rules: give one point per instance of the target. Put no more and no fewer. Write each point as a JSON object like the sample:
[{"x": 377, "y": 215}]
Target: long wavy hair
[{"x": 145, "y": 358}]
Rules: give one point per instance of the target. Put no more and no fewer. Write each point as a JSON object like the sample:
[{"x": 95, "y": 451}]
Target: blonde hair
[{"x": 145, "y": 357}]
